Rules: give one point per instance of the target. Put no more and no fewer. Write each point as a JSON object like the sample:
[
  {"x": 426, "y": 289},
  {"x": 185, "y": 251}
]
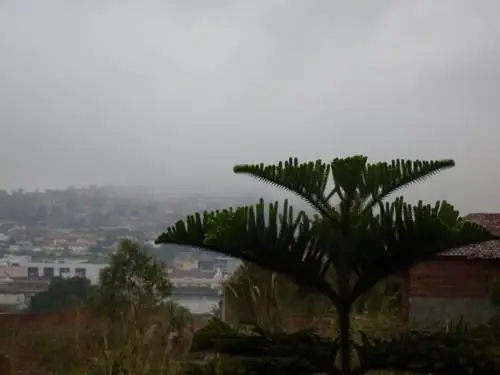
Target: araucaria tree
[{"x": 356, "y": 239}]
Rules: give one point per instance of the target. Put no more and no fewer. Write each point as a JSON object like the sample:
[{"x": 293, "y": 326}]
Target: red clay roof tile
[{"x": 485, "y": 250}]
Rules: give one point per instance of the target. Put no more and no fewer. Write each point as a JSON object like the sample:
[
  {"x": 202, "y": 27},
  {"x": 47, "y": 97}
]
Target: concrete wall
[
  {"x": 429, "y": 313},
  {"x": 12, "y": 299},
  {"x": 449, "y": 289}
]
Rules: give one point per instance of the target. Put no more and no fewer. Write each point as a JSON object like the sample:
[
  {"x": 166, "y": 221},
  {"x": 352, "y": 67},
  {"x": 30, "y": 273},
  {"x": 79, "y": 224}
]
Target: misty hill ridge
[{"x": 103, "y": 206}]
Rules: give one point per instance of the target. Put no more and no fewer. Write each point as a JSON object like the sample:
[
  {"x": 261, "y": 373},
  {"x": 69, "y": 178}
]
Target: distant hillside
[{"x": 104, "y": 206}]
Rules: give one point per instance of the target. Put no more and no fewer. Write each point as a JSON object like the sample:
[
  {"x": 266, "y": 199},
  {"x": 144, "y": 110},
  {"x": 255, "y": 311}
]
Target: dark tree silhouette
[
  {"x": 355, "y": 240},
  {"x": 63, "y": 293}
]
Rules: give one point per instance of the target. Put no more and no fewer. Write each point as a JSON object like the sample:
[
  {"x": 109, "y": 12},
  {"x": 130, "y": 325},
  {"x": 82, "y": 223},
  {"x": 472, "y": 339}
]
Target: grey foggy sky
[{"x": 178, "y": 91}]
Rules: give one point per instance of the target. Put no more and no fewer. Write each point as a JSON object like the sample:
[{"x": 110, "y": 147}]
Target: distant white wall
[
  {"x": 89, "y": 270},
  {"x": 17, "y": 259},
  {"x": 12, "y": 299}
]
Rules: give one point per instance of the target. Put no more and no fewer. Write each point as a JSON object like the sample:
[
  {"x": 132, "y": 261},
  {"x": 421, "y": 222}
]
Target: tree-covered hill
[
  {"x": 101, "y": 206},
  {"x": 77, "y": 207}
]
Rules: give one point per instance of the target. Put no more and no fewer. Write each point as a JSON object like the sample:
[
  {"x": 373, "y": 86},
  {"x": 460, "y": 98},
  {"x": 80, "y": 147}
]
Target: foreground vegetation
[
  {"x": 355, "y": 241},
  {"x": 128, "y": 324},
  {"x": 338, "y": 262},
  {"x": 97, "y": 347},
  {"x": 85, "y": 346}
]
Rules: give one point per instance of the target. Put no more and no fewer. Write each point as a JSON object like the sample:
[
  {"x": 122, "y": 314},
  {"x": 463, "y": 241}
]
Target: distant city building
[
  {"x": 226, "y": 265},
  {"x": 21, "y": 246},
  {"x": 79, "y": 249},
  {"x": 8, "y": 273},
  {"x": 15, "y": 260},
  {"x": 18, "y": 292},
  {"x": 196, "y": 283},
  {"x": 65, "y": 269},
  {"x": 58, "y": 268},
  {"x": 4, "y": 239}
]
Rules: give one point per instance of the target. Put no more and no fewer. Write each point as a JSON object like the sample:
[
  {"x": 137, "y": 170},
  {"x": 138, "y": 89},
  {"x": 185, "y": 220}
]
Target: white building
[
  {"x": 15, "y": 260},
  {"x": 17, "y": 293},
  {"x": 78, "y": 249},
  {"x": 4, "y": 239},
  {"x": 66, "y": 269},
  {"x": 9, "y": 298}
]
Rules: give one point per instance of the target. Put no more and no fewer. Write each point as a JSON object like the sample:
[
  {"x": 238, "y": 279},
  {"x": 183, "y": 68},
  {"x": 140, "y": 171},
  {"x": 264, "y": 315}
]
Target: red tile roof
[
  {"x": 12, "y": 271},
  {"x": 485, "y": 250}
]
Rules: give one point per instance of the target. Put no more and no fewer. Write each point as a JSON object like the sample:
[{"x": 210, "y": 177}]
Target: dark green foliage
[
  {"x": 353, "y": 178},
  {"x": 272, "y": 239},
  {"x": 384, "y": 297},
  {"x": 237, "y": 366},
  {"x": 460, "y": 350},
  {"x": 63, "y": 293},
  {"x": 178, "y": 316},
  {"x": 311, "y": 251},
  {"x": 495, "y": 298},
  {"x": 258, "y": 350},
  {"x": 438, "y": 353},
  {"x": 132, "y": 278},
  {"x": 355, "y": 241},
  {"x": 228, "y": 366}
]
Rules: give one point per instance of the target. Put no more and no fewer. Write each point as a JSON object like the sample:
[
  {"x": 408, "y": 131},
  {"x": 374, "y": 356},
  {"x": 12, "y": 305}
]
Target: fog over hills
[{"x": 173, "y": 94}]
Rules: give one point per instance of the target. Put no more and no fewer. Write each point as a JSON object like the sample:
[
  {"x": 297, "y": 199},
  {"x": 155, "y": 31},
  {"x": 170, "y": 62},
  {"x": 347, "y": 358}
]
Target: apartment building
[
  {"x": 66, "y": 269},
  {"x": 55, "y": 268}
]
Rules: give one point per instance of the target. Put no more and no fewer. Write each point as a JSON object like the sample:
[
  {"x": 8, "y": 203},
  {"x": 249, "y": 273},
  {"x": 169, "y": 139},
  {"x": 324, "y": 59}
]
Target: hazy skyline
[{"x": 177, "y": 92}]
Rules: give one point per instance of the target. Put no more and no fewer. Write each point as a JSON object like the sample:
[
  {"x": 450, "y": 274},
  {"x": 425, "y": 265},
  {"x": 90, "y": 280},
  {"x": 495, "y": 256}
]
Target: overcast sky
[{"x": 178, "y": 91}]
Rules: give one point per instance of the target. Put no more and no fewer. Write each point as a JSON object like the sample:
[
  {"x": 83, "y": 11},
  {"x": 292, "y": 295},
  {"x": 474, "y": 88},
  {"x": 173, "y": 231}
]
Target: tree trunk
[
  {"x": 344, "y": 322},
  {"x": 5, "y": 364}
]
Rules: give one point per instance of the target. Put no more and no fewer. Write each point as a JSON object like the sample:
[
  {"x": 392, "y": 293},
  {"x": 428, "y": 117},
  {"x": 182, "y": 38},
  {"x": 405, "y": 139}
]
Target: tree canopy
[
  {"x": 63, "y": 293},
  {"x": 357, "y": 238},
  {"x": 133, "y": 278}
]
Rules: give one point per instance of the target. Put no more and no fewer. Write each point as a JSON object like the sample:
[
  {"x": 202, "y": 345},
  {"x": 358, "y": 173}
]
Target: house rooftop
[
  {"x": 485, "y": 250},
  {"x": 25, "y": 285}
]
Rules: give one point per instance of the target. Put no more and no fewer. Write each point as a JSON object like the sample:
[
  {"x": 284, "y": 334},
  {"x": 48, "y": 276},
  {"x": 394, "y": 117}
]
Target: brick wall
[
  {"x": 45, "y": 319},
  {"x": 452, "y": 278},
  {"x": 448, "y": 289},
  {"x": 62, "y": 318}
]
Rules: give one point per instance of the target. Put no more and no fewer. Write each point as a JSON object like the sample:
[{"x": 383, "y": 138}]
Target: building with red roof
[{"x": 459, "y": 283}]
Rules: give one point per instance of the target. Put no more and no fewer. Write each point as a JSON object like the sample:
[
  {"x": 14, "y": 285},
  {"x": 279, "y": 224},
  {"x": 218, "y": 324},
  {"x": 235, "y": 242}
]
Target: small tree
[
  {"x": 133, "y": 278},
  {"x": 63, "y": 293},
  {"x": 355, "y": 241},
  {"x": 134, "y": 298}
]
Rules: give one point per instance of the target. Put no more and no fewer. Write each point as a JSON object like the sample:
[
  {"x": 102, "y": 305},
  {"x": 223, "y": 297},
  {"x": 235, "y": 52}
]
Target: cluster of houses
[
  {"x": 21, "y": 276},
  {"x": 79, "y": 246},
  {"x": 21, "y": 239},
  {"x": 460, "y": 283}
]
